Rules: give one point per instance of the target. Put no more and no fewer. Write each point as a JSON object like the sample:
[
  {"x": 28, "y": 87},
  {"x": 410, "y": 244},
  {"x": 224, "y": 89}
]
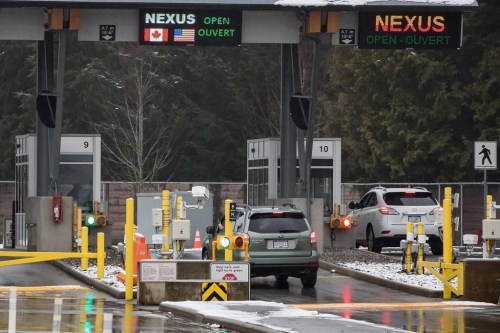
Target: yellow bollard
[
  {"x": 228, "y": 228},
  {"x": 420, "y": 254},
  {"x": 179, "y": 217},
  {"x": 74, "y": 226},
  {"x": 409, "y": 233},
  {"x": 166, "y": 219},
  {"x": 447, "y": 240},
  {"x": 488, "y": 243},
  {"x": 101, "y": 255},
  {"x": 79, "y": 229},
  {"x": 129, "y": 249},
  {"x": 85, "y": 247}
]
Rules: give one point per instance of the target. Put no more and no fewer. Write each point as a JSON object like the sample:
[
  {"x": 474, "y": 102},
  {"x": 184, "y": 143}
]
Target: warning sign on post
[
  {"x": 158, "y": 271},
  {"x": 230, "y": 272},
  {"x": 485, "y": 155}
]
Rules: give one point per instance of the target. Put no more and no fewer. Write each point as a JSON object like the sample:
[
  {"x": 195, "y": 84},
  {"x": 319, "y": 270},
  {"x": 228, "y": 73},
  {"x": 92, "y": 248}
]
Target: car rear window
[
  {"x": 272, "y": 223},
  {"x": 410, "y": 199}
]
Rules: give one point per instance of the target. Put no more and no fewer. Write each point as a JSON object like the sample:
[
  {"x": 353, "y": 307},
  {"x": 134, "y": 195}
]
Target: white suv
[{"x": 381, "y": 216}]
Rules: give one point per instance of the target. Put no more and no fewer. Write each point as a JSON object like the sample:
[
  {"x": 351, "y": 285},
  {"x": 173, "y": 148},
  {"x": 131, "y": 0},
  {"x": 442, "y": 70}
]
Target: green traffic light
[
  {"x": 90, "y": 220},
  {"x": 225, "y": 242}
]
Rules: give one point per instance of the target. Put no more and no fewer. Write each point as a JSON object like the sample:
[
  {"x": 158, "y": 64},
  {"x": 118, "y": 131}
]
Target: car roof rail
[
  {"x": 379, "y": 188},
  {"x": 290, "y": 205},
  {"x": 420, "y": 188},
  {"x": 244, "y": 206}
]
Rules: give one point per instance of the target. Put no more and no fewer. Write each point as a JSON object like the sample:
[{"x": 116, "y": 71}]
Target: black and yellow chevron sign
[{"x": 214, "y": 291}]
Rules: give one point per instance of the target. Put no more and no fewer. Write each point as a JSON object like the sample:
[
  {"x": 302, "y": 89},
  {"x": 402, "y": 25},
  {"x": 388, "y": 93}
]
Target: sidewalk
[{"x": 268, "y": 317}]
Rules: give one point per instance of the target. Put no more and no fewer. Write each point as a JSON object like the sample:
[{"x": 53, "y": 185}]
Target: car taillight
[
  {"x": 388, "y": 211},
  {"x": 314, "y": 240},
  {"x": 277, "y": 213},
  {"x": 246, "y": 237}
]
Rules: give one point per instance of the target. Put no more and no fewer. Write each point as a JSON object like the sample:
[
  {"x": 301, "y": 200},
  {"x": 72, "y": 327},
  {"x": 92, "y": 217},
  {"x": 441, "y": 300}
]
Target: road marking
[
  {"x": 45, "y": 288},
  {"x": 333, "y": 277},
  {"x": 324, "y": 306}
]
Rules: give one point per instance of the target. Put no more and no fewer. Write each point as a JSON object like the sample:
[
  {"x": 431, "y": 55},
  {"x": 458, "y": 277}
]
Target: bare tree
[{"x": 139, "y": 137}]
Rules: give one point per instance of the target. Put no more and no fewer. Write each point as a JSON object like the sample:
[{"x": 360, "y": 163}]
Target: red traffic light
[{"x": 340, "y": 223}]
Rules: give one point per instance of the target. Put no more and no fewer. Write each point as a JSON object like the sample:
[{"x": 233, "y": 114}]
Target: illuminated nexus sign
[
  {"x": 190, "y": 27},
  {"x": 410, "y": 30}
]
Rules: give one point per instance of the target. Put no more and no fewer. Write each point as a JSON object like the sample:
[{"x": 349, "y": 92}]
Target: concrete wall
[
  {"x": 481, "y": 280},
  {"x": 190, "y": 275},
  {"x": 48, "y": 235}
]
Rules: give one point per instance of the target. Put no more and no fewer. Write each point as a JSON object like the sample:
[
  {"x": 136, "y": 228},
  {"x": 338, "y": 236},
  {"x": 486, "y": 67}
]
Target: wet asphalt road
[
  {"x": 87, "y": 310},
  {"x": 82, "y": 309}
]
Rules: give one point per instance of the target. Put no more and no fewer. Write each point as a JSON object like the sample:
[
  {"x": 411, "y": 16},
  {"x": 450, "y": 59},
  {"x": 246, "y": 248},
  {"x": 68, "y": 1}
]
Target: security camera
[{"x": 201, "y": 193}]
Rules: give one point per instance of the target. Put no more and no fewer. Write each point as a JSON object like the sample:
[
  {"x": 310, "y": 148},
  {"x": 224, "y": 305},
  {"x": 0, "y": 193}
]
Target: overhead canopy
[{"x": 342, "y": 5}]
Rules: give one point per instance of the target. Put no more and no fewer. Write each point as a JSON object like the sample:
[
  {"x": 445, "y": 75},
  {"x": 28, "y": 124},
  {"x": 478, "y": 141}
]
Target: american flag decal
[{"x": 183, "y": 35}]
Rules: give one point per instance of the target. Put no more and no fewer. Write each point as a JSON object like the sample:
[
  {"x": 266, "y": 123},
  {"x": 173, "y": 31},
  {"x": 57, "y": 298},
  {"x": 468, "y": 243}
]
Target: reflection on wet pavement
[{"x": 80, "y": 309}]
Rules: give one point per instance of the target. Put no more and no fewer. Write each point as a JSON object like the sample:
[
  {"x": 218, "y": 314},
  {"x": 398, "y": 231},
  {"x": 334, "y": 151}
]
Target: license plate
[
  {"x": 281, "y": 244},
  {"x": 413, "y": 218}
]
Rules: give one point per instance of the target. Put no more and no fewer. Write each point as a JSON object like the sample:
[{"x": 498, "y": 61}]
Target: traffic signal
[
  {"x": 100, "y": 220},
  {"x": 340, "y": 222},
  {"x": 230, "y": 242},
  {"x": 89, "y": 220},
  {"x": 95, "y": 220}
]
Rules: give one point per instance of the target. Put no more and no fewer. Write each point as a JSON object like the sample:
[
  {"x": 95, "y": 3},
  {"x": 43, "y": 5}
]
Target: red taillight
[
  {"x": 388, "y": 211},
  {"x": 277, "y": 213},
  {"x": 314, "y": 240}
]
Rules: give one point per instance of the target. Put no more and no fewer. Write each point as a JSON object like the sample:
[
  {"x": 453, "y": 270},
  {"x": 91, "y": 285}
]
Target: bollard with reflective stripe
[{"x": 101, "y": 255}]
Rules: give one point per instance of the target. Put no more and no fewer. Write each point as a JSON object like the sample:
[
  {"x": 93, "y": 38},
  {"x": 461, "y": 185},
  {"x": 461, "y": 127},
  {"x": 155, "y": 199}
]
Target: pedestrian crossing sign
[{"x": 485, "y": 155}]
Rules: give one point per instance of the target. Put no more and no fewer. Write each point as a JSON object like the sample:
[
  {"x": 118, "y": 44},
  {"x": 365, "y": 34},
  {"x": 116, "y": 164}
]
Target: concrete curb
[
  {"x": 228, "y": 323},
  {"x": 91, "y": 281},
  {"x": 382, "y": 282}
]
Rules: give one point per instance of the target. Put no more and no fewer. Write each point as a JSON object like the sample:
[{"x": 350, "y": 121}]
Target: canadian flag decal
[{"x": 155, "y": 35}]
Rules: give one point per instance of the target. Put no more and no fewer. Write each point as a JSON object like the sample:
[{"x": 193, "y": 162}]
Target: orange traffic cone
[{"x": 197, "y": 240}]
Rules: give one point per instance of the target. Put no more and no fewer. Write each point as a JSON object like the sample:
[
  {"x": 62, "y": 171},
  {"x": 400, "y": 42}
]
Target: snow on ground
[
  {"x": 389, "y": 271},
  {"x": 394, "y": 272}
]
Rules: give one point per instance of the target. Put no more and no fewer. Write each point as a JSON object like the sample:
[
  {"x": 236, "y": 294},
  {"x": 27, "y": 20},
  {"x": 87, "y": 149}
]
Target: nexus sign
[
  {"x": 410, "y": 30},
  {"x": 181, "y": 27}
]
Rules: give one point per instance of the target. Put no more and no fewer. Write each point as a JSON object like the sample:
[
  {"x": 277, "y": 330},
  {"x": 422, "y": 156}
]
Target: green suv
[{"x": 281, "y": 243}]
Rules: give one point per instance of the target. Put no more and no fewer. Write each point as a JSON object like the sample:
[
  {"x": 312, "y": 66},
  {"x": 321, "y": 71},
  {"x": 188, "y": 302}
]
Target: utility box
[
  {"x": 491, "y": 229},
  {"x": 148, "y": 205},
  {"x": 181, "y": 229}
]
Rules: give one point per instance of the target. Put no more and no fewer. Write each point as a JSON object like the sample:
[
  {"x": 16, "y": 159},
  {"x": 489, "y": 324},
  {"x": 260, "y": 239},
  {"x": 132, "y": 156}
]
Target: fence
[{"x": 470, "y": 209}]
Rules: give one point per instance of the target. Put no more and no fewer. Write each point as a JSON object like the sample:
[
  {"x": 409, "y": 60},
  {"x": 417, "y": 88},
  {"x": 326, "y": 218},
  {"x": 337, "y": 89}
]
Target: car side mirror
[
  {"x": 210, "y": 230},
  {"x": 353, "y": 205}
]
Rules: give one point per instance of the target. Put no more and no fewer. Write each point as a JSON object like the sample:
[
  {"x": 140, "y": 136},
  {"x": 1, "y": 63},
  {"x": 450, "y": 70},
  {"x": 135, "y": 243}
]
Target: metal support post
[
  {"x": 85, "y": 248},
  {"x": 409, "y": 240},
  {"x": 228, "y": 229},
  {"x": 421, "y": 245},
  {"x": 129, "y": 249},
  {"x": 101, "y": 255},
  {"x": 166, "y": 219},
  {"x": 447, "y": 240},
  {"x": 288, "y": 131}
]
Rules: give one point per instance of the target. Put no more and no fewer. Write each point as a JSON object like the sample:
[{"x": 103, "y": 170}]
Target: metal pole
[
  {"x": 228, "y": 228},
  {"x": 485, "y": 192},
  {"x": 447, "y": 240},
  {"x": 312, "y": 121},
  {"x": 166, "y": 219},
  {"x": 129, "y": 249},
  {"x": 288, "y": 135},
  {"x": 56, "y": 140}
]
